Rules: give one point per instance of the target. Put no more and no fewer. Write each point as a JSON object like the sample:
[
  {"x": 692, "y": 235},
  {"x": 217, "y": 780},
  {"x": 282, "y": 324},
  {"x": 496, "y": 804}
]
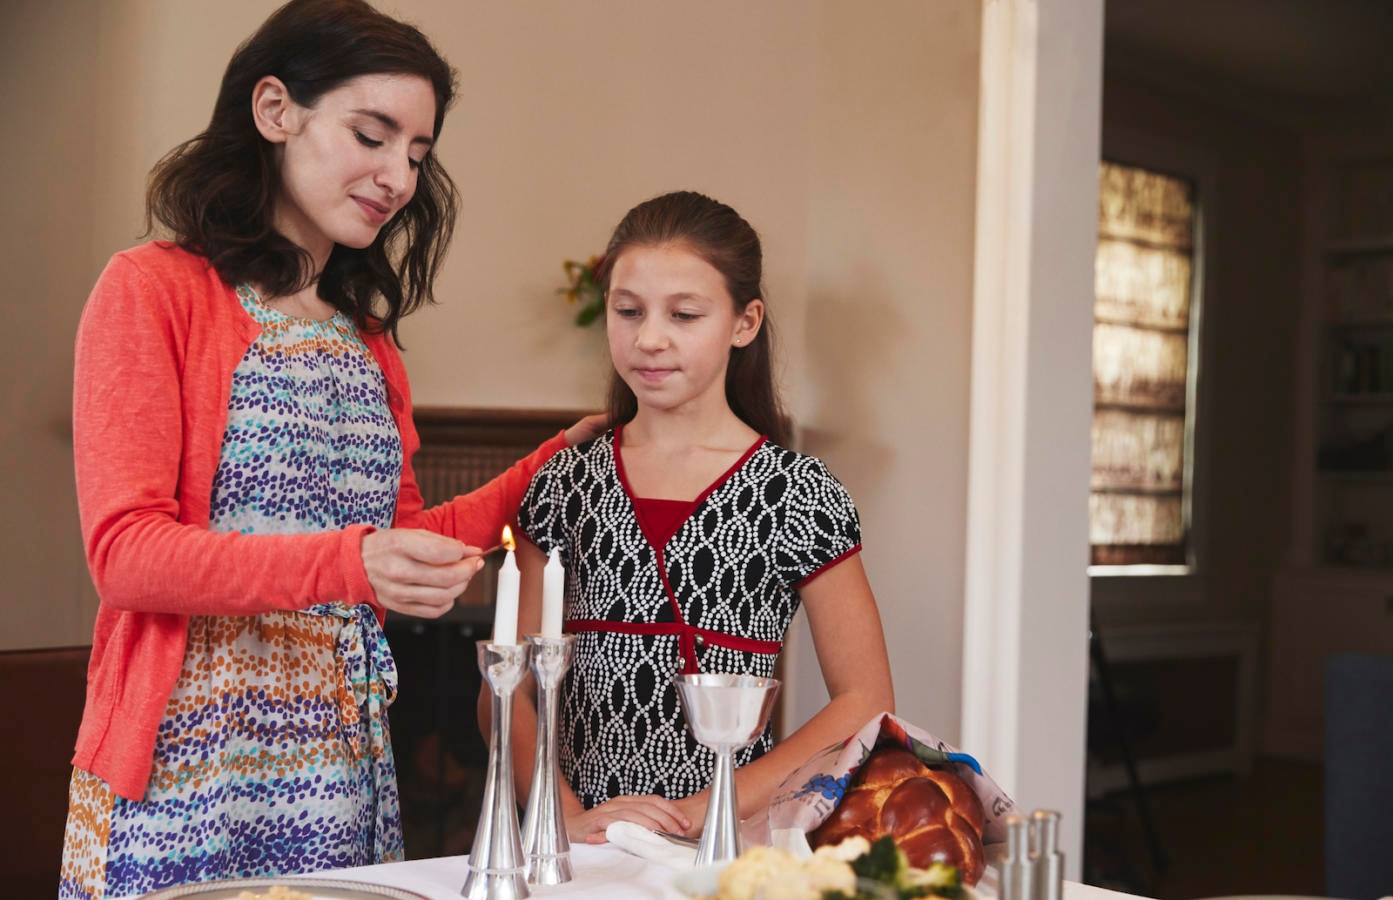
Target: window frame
[{"x": 1166, "y": 156}]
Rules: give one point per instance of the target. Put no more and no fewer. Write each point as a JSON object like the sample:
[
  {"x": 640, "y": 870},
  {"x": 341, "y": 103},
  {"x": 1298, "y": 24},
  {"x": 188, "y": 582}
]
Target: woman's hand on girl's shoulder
[
  {"x": 591, "y": 426},
  {"x": 649, "y": 810},
  {"x": 418, "y": 573}
]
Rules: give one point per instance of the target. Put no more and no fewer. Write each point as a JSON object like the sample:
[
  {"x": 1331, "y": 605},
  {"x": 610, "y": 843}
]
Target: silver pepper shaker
[
  {"x": 1046, "y": 859},
  {"x": 1016, "y": 869}
]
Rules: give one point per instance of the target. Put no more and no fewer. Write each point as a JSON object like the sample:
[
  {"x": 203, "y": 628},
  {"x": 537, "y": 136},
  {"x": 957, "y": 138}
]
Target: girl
[
  {"x": 243, "y": 444},
  {"x": 690, "y": 535}
]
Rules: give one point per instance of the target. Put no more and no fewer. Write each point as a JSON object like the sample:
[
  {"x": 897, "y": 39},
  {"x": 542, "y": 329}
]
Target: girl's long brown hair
[
  {"x": 216, "y": 193},
  {"x": 719, "y": 235}
]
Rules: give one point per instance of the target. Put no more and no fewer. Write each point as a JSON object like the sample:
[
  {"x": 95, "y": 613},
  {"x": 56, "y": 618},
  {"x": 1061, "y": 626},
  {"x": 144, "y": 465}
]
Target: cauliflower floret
[
  {"x": 756, "y": 867},
  {"x": 773, "y": 874},
  {"x": 827, "y": 874},
  {"x": 849, "y": 850}
]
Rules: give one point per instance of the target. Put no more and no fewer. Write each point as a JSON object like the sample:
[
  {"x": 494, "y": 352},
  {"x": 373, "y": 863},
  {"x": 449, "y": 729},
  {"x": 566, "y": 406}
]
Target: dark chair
[
  {"x": 1113, "y": 720},
  {"x": 44, "y": 690},
  {"x": 1358, "y": 776}
]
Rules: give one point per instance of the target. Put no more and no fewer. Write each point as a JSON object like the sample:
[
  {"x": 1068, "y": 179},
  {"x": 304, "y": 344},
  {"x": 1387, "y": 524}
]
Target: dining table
[{"x": 602, "y": 872}]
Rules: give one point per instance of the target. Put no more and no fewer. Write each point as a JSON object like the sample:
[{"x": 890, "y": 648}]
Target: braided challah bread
[{"x": 931, "y": 813}]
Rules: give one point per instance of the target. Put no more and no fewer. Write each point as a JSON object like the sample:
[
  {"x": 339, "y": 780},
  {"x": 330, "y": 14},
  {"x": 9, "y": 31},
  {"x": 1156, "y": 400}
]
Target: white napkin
[
  {"x": 646, "y": 844},
  {"x": 794, "y": 840}
]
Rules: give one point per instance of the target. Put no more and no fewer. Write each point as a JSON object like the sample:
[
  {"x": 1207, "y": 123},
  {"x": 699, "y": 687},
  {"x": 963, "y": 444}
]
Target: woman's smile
[{"x": 377, "y": 213}]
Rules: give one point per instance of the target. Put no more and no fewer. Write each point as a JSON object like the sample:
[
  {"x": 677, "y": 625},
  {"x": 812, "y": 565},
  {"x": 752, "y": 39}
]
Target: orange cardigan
[{"x": 158, "y": 342}]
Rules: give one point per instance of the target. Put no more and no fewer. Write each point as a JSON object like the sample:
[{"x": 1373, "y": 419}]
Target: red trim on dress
[
  {"x": 650, "y": 532},
  {"x": 687, "y": 632},
  {"x": 825, "y": 566},
  {"x": 687, "y": 645}
]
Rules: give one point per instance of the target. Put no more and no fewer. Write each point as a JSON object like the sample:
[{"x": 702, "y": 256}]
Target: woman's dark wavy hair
[
  {"x": 719, "y": 235},
  {"x": 216, "y": 193}
]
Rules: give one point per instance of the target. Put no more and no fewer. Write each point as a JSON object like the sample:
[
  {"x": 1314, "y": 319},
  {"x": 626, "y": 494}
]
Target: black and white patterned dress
[{"x": 715, "y": 597}]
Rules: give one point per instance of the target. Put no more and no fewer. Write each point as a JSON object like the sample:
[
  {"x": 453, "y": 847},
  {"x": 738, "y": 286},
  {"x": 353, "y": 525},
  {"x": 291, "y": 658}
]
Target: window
[{"x": 1143, "y": 369}]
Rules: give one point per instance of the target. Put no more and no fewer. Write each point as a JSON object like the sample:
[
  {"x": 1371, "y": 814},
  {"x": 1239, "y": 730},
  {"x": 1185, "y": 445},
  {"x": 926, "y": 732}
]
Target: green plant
[{"x": 584, "y": 289}]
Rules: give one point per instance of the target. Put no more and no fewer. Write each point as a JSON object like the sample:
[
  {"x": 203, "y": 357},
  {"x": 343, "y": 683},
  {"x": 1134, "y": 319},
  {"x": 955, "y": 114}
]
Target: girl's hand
[
  {"x": 649, "y": 810},
  {"x": 591, "y": 426},
  {"x": 418, "y": 573}
]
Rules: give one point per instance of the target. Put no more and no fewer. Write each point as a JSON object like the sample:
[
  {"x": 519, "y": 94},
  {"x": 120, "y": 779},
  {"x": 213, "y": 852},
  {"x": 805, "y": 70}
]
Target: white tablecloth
[{"x": 602, "y": 872}]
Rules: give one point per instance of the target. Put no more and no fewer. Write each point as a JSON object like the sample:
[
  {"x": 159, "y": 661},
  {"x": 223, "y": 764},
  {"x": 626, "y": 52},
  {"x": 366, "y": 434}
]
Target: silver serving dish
[{"x": 318, "y": 888}]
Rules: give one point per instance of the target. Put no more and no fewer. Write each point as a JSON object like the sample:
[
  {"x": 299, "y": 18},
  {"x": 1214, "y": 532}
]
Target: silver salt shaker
[
  {"x": 1016, "y": 870},
  {"x": 1046, "y": 859}
]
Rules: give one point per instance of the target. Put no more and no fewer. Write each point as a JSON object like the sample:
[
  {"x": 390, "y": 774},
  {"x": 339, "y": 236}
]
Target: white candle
[
  {"x": 553, "y": 595},
  {"x": 505, "y": 607}
]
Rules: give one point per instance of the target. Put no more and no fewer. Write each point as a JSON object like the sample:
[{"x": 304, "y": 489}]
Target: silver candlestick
[
  {"x": 497, "y": 868},
  {"x": 725, "y": 713},
  {"x": 544, "y": 840}
]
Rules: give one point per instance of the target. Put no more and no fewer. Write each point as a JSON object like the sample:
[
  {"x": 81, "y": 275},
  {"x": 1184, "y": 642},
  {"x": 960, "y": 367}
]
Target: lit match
[{"x": 506, "y": 542}]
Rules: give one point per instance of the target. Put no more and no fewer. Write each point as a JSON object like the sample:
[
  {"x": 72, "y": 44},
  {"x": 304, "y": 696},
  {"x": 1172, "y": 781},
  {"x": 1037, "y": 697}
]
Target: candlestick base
[
  {"x": 496, "y": 884},
  {"x": 497, "y": 868},
  {"x": 544, "y": 839},
  {"x": 547, "y": 870}
]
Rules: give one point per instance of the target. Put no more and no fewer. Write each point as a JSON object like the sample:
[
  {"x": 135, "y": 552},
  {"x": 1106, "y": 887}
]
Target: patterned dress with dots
[
  {"x": 652, "y": 591},
  {"x": 273, "y": 756}
]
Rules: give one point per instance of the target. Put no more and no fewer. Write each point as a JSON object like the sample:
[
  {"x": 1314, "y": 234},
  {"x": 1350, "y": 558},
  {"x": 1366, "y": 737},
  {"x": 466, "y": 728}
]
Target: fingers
[
  {"x": 649, "y": 810},
  {"x": 589, "y": 427},
  {"x": 430, "y": 601},
  {"x": 417, "y": 572},
  {"x": 427, "y": 546}
]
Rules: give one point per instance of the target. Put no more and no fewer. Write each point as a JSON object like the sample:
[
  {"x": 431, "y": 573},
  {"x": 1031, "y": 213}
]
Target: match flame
[{"x": 507, "y": 539}]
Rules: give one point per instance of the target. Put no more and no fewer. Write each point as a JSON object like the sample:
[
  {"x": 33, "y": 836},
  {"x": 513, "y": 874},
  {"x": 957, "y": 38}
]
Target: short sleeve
[
  {"x": 821, "y": 527},
  {"x": 540, "y": 517}
]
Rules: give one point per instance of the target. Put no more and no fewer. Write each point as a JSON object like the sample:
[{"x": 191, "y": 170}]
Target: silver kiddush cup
[
  {"x": 544, "y": 840},
  {"x": 726, "y": 713},
  {"x": 497, "y": 868}
]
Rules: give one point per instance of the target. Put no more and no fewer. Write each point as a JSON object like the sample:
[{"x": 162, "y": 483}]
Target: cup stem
[{"x": 720, "y": 836}]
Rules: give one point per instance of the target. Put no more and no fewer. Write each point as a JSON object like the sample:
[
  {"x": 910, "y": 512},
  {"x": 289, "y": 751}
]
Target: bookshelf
[{"x": 1336, "y": 592}]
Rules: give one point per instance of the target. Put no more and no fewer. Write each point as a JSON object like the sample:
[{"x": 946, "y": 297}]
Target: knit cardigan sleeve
[{"x": 476, "y": 518}]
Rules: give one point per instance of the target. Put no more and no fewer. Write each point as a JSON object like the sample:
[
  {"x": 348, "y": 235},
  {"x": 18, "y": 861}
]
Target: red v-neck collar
[{"x": 649, "y": 533}]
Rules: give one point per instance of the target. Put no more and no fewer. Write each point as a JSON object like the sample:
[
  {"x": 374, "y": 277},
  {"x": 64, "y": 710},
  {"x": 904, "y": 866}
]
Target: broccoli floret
[
  {"x": 883, "y": 862},
  {"x": 939, "y": 879},
  {"x": 886, "y": 863}
]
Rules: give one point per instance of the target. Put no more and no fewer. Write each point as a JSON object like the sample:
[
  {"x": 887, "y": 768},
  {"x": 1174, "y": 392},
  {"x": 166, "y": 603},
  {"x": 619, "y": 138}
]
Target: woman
[{"x": 243, "y": 444}]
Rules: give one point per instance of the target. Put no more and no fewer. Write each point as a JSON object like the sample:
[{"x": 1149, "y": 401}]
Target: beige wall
[
  {"x": 568, "y": 115},
  {"x": 47, "y": 103},
  {"x": 848, "y": 140},
  {"x": 98, "y": 94},
  {"x": 889, "y": 313}
]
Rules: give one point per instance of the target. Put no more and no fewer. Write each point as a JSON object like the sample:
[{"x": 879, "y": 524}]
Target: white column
[{"x": 1025, "y": 653}]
